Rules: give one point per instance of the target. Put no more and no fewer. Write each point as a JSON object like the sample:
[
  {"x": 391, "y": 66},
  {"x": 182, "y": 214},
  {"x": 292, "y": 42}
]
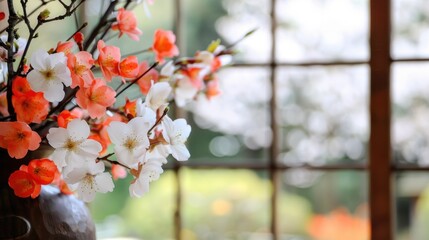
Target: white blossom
[
  {"x": 72, "y": 146},
  {"x": 148, "y": 171},
  {"x": 89, "y": 179},
  {"x": 205, "y": 57},
  {"x": 167, "y": 70},
  {"x": 146, "y": 113},
  {"x": 158, "y": 95},
  {"x": 130, "y": 140},
  {"x": 3, "y": 71},
  {"x": 175, "y": 134},
  {"x": 185, "y": 91},
  {"x": 21, "y": 43},
  {"x": 49, "y": 73}
]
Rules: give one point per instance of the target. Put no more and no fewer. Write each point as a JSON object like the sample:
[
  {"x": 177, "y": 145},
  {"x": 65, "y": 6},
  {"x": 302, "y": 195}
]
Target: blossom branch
[
  {"x": 100, "y": 25},
  {"x": 78, "y": 30},
  {"x": 106, "y": 30},
  {"x": 64, "y": 102},
  {"x": 158, "y": 121},
  {"x": 12, "y": 21},
  {"x": 69, "y": 11},
  {"x": 138, "y": 52},
  {"x": 105, "y": 158},
  {"x": 137, "y": 78},
  {"x": 40, "y": 21},
  {"x": 31, "y": 13},
  {"x": 2, "y": 44}
]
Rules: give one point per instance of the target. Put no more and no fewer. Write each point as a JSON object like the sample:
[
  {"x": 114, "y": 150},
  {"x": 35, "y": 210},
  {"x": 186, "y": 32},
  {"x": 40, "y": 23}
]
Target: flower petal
[
  {"x": 78, "y": 130},
  {"x": 37, "y": 81},
  {"x": 55, "y": 92},
  {"x": 118, "y": 131},
  {"x": 104, "y": 183},
  {"x": 57, "y": 137},
  {"x": 59, "y": 158},
  {"x": 180, "y": 152},
  {"x": 38, "y": 59}
]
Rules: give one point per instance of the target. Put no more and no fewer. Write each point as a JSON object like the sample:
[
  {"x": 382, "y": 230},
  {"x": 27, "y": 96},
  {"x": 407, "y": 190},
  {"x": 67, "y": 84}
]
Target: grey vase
[{"x": 52, "y": 215}]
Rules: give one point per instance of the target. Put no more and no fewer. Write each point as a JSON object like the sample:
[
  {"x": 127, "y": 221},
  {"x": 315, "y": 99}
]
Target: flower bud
[
  {"x": 78, "y": 37},
  {"x": 43, "y": 15}
]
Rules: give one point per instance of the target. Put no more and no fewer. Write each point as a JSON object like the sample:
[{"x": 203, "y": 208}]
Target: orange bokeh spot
[{"x": 339, "y": 225}]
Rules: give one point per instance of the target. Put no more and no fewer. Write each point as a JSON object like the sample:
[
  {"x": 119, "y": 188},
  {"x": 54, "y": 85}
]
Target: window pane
[
  {"x": 51, "y": 36},
  {"x": 323, "y": 115},
  {"x": 150, "y": 217},
  {"x": 207, "y": 20},
  {"x": 412, "y": 205},
  {"x": 410, "y": 113},
  {"x": 410, "y": 28},
  {"x": 324, "y": 205},
  {"x": 225, "y": 204},
  {"x": 322, "y": 30},
  {"x": 238, "y": 119}
]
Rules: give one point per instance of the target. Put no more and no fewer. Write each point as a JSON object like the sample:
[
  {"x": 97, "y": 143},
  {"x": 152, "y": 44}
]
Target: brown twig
[
  {"x": 136, "y": 79},
  {"x": 100, "y": 25},
  {"x": 12, "y": 21},
  {"x": 31, "y": 13},
  {"x": 158, "y": 121}
]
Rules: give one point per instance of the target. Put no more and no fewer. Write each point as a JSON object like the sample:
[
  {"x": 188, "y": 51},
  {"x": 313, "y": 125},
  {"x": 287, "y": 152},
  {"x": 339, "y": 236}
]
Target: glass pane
[
  {"x": 238, "y": 119},
  {"x": 225, "y": 204},
  {"x": 207, "y": 20},
  {"x": 324, "y": 205},
  {"x": 410, "y": 124},
  {"x": 323, "y": 115},
  {"x": 315, "y": 30},
  {"x": 410, "y": 28},
  {"x": 151, "y": 217},
  {"x": 161, "y": 16},
  {"x": 412, "y": 205}
]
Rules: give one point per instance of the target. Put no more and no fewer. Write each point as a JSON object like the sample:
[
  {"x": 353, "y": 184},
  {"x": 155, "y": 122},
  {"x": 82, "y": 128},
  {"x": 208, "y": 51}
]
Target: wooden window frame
[{"x": 379, "y": 167}]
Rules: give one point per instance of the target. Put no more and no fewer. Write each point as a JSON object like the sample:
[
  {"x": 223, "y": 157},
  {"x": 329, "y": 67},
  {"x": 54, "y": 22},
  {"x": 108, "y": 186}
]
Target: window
[{"x": 332, "y": 121}]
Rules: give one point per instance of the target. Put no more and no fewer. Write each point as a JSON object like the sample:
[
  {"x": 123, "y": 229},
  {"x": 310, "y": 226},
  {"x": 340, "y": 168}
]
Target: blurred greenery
[
  {"x": 217, "y": 204},
  {"x": 200, "y": 21}
]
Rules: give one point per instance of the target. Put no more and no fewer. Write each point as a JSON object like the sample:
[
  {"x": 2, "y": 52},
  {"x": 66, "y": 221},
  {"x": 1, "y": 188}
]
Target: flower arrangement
[{"x": 62, "y": 97}]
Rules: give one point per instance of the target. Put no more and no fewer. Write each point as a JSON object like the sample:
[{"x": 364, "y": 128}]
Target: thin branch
[
  {"x": 106, "y": 157},
  {"x": 78, "y": 30},
  {"x": 2, "y": 44},
  {"x": 31, "y": 13},
  {"x": 106, "y": 30},
  {"x": 138, "y": 52},
  {"x": 136, "y": 79},
  {"x": 64, "y": 102},
  {"x": 12, "y": 21},
  {"x": 158, "y": 121},
  {"x": 115, "y": 162},
  {"x": 68, "y": 13},
  {"x": 100, "y": 24}
]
